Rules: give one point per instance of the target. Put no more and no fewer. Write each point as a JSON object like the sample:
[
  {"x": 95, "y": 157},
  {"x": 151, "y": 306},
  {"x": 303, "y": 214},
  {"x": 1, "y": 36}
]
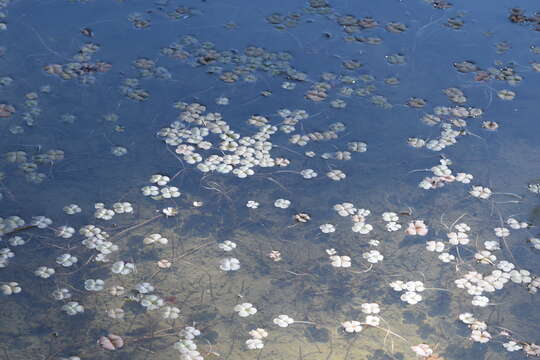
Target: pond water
[{"x": 269, "y": 180}]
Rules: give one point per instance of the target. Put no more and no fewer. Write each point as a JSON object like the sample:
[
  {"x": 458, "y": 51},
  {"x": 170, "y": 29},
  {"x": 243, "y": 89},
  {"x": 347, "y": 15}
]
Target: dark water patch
[
  {"x": 526, "y": 311},
  {"x": 211, "y": 336},
  {"x": 412, "y": 317},
  {"x": 381, "y": 355},
  {"x": 201, "y": 225},
  {"x": 204, "y": 313},
  {"x": 411, "y": 241},
  {"x": 440, "y": 305},
  {"x": 425, "y": 331},
  {"x": 458, "y": 351},
  {"x": 134, "y": 308},
  {"x": 317, "y": 334}
]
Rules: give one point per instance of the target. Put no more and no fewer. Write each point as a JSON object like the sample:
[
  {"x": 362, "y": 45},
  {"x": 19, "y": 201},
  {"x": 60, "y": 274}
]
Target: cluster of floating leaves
[
  {"x": 31, "y": 111},
  {"x": 230, "y": 65},
  {"x": 29, "y": 165},
  {"x": 147, "y": 69},
  {"x": 319, "y": 91},
  {"x": 167, "y": 9},
  {"x": 292, "y": 19},
  {"x": 6, "y": 110},
  {"x": 440, "y": 4},
  {"x": 501, "y": 72},
  {"x": 3, "y": 14},
  {"x": 282, "y": 22},
  {"x": 82, "y": 68},
  {"x": 207, "y": 141},
  {"x": 454, "y": 121},
  {"x": 455, "y": 23},
  {"x": 518, "y": 16},
  {"x": 139, "y": 21},
  {"x": 131, "y": 89}
]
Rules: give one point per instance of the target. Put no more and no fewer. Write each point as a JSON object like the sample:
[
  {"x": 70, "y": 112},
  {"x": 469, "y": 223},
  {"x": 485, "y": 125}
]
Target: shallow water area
[{"x": 269, "y": 180}]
